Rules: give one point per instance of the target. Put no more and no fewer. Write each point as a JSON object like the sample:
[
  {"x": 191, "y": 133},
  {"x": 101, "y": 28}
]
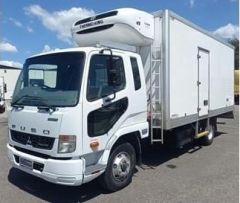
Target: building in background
[
  {"x": 8, "y": 79},
  {"x": 236, "y": 86}
]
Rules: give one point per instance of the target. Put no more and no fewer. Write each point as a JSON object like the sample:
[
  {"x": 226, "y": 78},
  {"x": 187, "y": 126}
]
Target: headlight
[{"x": 66, "y": 143}]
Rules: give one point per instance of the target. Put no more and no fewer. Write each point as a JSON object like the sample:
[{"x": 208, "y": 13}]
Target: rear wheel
[
  {"x": 208, "y": 139},
  {"x": 120, "y": 168}
]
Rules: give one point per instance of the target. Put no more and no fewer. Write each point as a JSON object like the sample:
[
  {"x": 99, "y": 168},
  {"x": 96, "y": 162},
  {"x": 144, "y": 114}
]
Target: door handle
[
  {"x": 106, "y": 102},
  {"x": 205, "y": 102}
]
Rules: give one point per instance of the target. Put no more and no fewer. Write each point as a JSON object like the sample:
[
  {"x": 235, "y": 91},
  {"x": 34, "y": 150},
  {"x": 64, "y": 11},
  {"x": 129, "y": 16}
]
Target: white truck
[
  {"x": 2, "y": 95},
  {"x": 82, "y": 113},
  {"x": 8, "y": 79}
]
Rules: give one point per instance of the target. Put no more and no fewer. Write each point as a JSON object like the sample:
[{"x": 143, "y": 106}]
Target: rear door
[{"x": 203, "y": 82}]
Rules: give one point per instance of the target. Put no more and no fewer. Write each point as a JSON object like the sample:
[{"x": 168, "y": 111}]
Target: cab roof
[{"x": 82, "y": 49}]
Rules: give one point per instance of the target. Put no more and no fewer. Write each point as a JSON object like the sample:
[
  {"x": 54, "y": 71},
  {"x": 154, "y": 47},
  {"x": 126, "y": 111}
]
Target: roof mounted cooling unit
[{"x": 127, "y": 26}]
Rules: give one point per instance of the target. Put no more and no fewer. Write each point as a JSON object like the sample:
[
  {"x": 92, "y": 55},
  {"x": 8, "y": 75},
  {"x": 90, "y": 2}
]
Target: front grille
[
  {"x": 97, "y": 17},
  {"x": 95, "y": 29},
  {"x": 36, "y": 141},
  {"x": 37, "y": 154},
  {"x": 40, "y": 155}
]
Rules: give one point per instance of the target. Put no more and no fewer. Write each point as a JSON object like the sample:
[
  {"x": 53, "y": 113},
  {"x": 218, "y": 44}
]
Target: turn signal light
[{"x": 94, "y": 144}]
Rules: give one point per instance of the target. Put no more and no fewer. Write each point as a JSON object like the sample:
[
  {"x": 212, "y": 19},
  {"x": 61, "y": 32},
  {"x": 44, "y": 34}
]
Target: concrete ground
[{"x": 196, "y": 174}]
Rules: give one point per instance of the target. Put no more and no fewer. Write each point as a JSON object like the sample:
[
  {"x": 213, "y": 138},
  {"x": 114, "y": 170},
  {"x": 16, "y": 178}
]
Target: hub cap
[
  {"x": 121, "y": 166},
  {"x": 210, "y": 134}
]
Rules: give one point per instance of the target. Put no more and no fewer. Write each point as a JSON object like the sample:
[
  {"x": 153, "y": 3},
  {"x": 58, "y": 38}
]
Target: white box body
[{"x": 196, "y": 71}]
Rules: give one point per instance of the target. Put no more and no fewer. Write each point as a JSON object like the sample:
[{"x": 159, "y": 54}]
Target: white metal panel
[
  {"x": 129, "y": 26},
  {"x": 10, "y": 79},
  {"x": 184, "y": 43},
  {"x": 221, "y": 78},
  {"x": 203, "y": 82},
  {"x": 1, "y": 87},
  {"x": 63, "y": 124},
  {"x": 183, "y": 71}
]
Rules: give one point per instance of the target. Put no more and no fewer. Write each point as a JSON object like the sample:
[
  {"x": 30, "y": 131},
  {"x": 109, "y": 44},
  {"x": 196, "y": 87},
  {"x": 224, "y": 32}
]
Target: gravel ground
[{"x": 196, "y": 174}]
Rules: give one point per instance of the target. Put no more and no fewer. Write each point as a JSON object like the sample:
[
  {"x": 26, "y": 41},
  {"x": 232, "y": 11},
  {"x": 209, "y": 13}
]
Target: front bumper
[{"x": 65, "y": 172}]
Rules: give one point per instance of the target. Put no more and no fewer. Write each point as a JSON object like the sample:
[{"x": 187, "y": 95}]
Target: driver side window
[{"x": 98, "y": 85}]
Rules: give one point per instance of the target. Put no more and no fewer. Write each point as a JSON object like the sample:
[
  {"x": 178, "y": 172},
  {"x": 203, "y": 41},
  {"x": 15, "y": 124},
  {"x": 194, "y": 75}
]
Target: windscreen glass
[{"x": 50, "y": 80}]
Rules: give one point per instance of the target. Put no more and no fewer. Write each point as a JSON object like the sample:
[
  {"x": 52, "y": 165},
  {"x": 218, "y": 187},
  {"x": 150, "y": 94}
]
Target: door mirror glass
[
  {"x": 114, "y": 71},
  {"x": 5, "y": 88}
]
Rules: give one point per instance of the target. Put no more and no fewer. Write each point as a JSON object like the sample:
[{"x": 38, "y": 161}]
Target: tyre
[
  {"x": 208, "y": 139},
  {"x": 120, "y": 168},
  {"x": 2, "y": 109}
]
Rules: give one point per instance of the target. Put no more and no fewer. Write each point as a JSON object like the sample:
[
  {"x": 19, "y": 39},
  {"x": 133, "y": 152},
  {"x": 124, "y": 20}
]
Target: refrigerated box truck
[{"x": 135, "y": 75}]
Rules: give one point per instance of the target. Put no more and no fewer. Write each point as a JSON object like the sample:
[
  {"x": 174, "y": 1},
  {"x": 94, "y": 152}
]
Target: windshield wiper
[
  {"x": 15, "y": 103},
  {"x": 46, "y": 107},
  {"x": 43, "y": 106}
]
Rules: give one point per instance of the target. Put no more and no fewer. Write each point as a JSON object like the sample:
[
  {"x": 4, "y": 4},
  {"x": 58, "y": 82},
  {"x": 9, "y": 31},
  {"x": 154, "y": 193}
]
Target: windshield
[{"x": 52, "y": 80}]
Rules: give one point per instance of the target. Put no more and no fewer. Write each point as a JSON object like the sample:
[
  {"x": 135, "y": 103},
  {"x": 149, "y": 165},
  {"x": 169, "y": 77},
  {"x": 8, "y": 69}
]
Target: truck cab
[
  {"x": 81, "y": 112},
  {"x": 70, "y": 108}
]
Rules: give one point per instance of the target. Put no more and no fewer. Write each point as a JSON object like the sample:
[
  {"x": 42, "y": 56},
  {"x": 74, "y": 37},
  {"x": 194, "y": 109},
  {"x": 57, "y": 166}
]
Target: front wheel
[{"x": 120, "y": 168}]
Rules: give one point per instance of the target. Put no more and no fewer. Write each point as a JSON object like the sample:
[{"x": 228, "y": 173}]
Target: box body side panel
[{"x": 184, "y": 44}]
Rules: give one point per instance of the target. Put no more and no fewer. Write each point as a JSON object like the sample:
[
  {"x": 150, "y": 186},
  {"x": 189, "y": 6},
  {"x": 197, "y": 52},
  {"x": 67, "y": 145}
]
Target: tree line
[{"x": 235, "y": 43}]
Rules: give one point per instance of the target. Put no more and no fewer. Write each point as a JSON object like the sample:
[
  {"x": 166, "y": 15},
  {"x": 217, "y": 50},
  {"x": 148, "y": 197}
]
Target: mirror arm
[
  {"x": 106, "y": 49},
  {"x": 111, "y": 67}
]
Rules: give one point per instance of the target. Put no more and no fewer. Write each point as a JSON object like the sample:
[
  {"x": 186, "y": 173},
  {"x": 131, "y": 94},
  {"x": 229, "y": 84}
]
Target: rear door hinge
[{"x": 198, "y": 109}]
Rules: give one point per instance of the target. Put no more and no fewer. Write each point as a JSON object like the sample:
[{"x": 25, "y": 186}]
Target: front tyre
[{"x": 120, "y": 168}]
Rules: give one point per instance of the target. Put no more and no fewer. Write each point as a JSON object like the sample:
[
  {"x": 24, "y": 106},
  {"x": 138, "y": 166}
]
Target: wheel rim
[
  {"x": 121, "y": 166},
  {"x": 210, "y": 134}
]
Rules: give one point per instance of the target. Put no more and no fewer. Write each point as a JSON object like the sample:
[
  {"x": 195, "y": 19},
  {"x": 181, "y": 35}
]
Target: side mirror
[
  {"x": 5, "y": 88},
  {"x": 114, "y": 78}
]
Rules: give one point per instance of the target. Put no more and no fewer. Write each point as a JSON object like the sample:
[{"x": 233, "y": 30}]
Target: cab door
[{"x": 103, "y": 110}]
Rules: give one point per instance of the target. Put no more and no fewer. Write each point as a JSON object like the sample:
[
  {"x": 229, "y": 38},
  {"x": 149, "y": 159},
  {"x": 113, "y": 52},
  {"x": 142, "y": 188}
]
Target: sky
[{"x": 28, "y": 27}]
